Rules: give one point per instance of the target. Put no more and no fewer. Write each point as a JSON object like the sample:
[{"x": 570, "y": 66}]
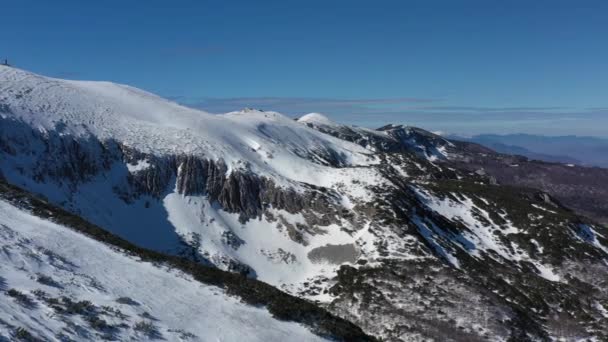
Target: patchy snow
[
  {"x": 481, "y": 233},
  {"x": 537, "y": 245},
  {"x": 546, "y": 272},
  {"x": 433, "y": 235},
  {"x": 543, "y": 208},
  {"x": 587, "y": 234},
  {"x": 139, "y": 166},
  {"x": 440, "y": 152},
  {"x": 601, "y": 309},
  {"x": 39, "y": 255}
]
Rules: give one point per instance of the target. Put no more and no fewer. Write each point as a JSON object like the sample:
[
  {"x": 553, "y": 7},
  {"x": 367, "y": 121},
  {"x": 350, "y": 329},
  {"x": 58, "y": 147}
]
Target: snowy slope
[
  {"x": 266, "y": 145},
  {"x": 38, "y": 255},
  {"x": 318, "y": 119},
  {"x": 268, "y": 141}
]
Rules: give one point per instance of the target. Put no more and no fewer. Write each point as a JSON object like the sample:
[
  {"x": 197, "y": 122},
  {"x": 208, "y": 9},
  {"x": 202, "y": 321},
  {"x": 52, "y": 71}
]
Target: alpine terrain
[{"x": 399, "y": 232}]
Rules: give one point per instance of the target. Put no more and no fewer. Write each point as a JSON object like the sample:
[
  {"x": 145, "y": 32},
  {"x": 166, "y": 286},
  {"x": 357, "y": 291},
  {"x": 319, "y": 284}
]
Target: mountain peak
[{"x": 316, "y": 118}]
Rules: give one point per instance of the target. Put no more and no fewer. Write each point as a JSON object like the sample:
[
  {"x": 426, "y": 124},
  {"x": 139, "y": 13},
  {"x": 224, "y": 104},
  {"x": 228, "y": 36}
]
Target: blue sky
[{"x": 455, "y": 66}]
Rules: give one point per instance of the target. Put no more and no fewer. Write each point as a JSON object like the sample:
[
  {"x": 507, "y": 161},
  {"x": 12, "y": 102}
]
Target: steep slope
[
  {"x": 382, "y": 227},
  {"x": 58, "y": 284},
  {"x": 269, "y": 142},
  {"x": 48, "y": 268},
  {"x": 160, "y": 174}
]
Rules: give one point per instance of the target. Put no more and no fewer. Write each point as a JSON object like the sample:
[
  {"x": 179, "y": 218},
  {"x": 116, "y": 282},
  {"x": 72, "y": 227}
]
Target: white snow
[
  {"x": 601, "y": 309},
  {"x": 543, "y": 208},
  {"x": 433, "y": 235},
  {"x": 271, "y": 143},
  {"x": 537, "y": 245},
  {"x": 316, "y": 118},
  {"x": 140, "y": 166},
  {"x": 546, "y": 272},
  {"x": 264, "y": 240},
  {"x": 85, "y": 269}
]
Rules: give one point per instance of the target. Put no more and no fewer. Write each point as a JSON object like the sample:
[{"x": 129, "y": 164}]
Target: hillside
[{"x": 64, "y": 278}]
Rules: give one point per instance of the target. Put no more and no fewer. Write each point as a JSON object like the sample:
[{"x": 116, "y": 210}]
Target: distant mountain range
[{"x": 588, "y": 151}]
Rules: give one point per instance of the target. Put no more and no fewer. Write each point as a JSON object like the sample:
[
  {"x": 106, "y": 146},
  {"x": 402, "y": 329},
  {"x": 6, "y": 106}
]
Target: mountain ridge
[{"x": 581, "y": 150}]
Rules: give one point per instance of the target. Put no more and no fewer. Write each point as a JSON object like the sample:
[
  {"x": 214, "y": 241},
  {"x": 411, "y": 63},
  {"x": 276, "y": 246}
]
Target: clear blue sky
[{"x": 456, "y": 66}]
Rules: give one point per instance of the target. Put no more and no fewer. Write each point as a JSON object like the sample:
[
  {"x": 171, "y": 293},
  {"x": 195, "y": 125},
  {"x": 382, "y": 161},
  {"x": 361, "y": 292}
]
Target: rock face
[{"x": 407, "y": 234}]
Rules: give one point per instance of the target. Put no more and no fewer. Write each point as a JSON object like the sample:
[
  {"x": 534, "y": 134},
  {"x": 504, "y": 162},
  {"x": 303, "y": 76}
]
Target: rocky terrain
[{"x": 404, "y": 233}]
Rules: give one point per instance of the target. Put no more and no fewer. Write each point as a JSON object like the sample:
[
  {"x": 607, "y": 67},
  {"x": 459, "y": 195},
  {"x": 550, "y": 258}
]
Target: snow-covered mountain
[
  {"x": 160, "y": 174},
  {"x": 389, "y": 228},
  {"x": 60, "y": 285}
]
